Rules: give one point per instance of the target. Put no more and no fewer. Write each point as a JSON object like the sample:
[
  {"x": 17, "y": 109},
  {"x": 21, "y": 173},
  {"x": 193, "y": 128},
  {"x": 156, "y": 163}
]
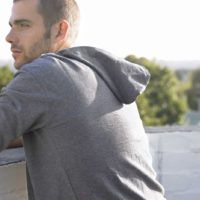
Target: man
[{"x": 81, "y": 141}]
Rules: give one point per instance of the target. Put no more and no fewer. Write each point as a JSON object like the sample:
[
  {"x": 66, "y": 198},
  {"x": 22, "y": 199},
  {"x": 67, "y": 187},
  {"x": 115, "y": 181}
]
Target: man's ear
[{"x": 61, "y": 30}]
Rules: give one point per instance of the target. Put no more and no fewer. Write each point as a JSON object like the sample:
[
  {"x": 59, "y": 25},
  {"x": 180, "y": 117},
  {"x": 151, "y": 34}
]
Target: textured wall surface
[
  {"x": 12, "y": 175},
  {"x": 176, "y": 158},
  {"x": 13, "y": 182}
]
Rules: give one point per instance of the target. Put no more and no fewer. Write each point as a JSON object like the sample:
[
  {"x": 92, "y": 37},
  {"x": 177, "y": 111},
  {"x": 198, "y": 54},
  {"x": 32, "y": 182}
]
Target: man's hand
[{"x": 16, "y": 143}]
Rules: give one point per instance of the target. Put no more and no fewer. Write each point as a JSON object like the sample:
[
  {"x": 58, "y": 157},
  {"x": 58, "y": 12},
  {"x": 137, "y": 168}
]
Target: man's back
[{"x": 80, "y": 141}]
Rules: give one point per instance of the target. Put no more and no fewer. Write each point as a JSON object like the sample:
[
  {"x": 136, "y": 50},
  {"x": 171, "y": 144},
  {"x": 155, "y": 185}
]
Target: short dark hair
[{"x": 54, "y": 10}]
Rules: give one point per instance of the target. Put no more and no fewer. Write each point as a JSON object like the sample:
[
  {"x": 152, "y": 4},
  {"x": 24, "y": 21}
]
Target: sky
[{"x": 155, "y": 29}]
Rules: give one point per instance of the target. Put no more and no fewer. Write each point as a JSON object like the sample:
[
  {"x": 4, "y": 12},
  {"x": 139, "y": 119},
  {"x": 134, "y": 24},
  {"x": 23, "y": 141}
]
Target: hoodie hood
[{"x": 125, "y": 79}]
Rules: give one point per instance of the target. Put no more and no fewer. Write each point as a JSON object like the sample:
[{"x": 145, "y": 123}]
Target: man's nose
[{"x": 11, "y": 37}]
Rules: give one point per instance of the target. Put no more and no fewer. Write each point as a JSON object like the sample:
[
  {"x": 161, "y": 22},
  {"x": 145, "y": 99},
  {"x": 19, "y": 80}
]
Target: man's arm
[
  {"x": 16, "y": 143},
  {"x": 21, "y": 107}
]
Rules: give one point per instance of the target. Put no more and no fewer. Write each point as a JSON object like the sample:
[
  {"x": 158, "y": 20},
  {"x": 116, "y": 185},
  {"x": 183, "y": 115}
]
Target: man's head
[
  {"x": 40, "y": 26},
  {"x": 53, "y": 11}
]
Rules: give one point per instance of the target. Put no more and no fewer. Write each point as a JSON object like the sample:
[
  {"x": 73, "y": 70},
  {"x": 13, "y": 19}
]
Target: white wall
[
  {"x": 13, "y": 182},
  {"x": 176, "y": 156}
]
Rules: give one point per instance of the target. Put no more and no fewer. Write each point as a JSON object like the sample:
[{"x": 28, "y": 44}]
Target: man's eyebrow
[{"x": 19, "y": 21}]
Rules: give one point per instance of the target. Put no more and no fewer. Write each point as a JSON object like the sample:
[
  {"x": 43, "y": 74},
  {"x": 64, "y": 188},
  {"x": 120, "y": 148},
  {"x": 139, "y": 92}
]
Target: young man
[{"x": 81, "y": 141}]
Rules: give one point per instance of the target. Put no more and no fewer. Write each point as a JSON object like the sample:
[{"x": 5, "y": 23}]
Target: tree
[
  {"x": 193, "y": 94},
  {"x": 163, "y": 102},
  {"x": 6, "y": 75}
]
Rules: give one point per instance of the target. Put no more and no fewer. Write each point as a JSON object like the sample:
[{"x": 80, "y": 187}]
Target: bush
[
  {"x": 163, "y": 102},
  {"x": 6, "y": 75}
]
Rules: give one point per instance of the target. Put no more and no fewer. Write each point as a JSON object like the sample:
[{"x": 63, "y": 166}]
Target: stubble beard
[{"x": 42, "y": 46}]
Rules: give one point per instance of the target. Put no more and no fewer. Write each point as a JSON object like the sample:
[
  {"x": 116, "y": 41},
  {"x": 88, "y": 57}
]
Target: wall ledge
[
  {"x": 11, "y": 156},
  {"x": 170, "y": 129},
  {"x": 16, "y": 155}
]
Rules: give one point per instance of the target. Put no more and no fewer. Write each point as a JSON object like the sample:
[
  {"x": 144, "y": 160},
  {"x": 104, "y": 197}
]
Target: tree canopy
[
  {"x": 6, "y": 75},
  {"x": 164, "y": 101},
  {"x": 193, "y": 93}
]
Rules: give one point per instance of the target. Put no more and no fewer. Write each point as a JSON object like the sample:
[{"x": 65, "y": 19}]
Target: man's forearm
[{"x": 16, "y": 143}]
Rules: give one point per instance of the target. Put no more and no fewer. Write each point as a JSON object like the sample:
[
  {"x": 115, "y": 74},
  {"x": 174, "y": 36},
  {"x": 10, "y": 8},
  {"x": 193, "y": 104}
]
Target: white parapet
[
  {"x": 176, "y": 158},
  {"x": 13, "y": 182},
  {"x": 13, "y": 175}
]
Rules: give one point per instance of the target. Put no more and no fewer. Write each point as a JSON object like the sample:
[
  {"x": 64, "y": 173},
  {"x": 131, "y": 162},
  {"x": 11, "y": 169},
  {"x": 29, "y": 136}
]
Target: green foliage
[
  {"x": 6, "y": 75},
  {"x": 193, "y": 93},
  {"x": 163, "y": 102}
]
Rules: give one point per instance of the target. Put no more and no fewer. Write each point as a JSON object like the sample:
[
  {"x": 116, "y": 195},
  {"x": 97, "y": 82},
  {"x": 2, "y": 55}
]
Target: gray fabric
[{"x": 81, "y": 141}]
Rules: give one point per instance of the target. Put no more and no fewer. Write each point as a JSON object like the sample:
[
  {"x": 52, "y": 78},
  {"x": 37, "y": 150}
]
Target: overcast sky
[{"x": 161, "y": 29}]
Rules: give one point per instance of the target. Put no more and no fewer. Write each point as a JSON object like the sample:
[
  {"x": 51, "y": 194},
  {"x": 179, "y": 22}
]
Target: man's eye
[{"x": 23, "y": 25}]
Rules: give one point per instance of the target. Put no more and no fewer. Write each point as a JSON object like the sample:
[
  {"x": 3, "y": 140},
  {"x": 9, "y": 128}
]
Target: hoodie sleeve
[{"x": 22, "y": 104}]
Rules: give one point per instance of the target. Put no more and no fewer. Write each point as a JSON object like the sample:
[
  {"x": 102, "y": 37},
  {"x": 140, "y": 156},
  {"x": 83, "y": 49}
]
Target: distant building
[{"x": 193, "y": 118}]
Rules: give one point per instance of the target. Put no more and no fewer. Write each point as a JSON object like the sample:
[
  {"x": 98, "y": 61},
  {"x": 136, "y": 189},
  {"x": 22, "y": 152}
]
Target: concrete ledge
[
  {"x": 13, "y": 175},
  {"x": 13, "y": 182},
  {"x": 10, "y": 156},
  {"x": 171, "y": 129},
  {"x": 176, "y": 159}
]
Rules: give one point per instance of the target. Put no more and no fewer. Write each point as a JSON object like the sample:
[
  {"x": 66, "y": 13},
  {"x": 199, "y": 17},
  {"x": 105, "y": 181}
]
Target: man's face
[{"x": 27, "y": 34}]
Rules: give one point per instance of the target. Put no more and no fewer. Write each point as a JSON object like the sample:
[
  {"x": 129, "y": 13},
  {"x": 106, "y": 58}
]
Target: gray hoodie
[{"x": 83, "y": 137}]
